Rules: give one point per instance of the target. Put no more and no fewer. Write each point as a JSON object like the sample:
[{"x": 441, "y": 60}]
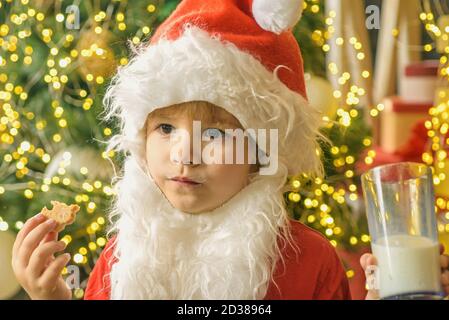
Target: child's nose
[{"x": 190, "y": 149}]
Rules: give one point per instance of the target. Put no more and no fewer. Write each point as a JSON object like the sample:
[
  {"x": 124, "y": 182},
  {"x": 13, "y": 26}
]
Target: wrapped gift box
[
  {"x": 419, "y": 82},
  {"x": 398, "y": 120}
]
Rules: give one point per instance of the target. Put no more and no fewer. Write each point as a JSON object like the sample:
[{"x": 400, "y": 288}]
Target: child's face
[{"x": 215, "y": 183}]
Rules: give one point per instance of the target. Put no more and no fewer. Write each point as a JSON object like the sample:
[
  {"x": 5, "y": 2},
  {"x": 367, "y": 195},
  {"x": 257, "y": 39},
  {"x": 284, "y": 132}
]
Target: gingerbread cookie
[{"x": 61, "y": 213}]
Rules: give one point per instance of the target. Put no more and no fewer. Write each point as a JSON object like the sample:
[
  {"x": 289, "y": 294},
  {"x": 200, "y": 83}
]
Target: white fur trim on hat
[
  {"x": 196, "y": 67},
  {"x": 277, "y": 16}
]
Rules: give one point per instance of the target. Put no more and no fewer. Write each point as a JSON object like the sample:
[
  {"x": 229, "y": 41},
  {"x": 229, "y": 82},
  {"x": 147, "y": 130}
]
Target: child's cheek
[
  {"x": 154, "y": 152},
  {"x": 235, "y": 152}
]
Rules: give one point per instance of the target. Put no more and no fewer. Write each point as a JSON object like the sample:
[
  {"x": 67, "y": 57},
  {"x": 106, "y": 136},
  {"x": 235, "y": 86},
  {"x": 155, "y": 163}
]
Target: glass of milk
[{"x": 402, "y": 223}]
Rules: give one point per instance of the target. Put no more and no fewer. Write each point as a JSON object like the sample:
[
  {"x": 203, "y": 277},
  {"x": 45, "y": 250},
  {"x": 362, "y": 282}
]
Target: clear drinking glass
[{"x": 402, "y": 223}]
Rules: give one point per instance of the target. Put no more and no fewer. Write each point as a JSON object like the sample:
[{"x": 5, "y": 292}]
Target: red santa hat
[
  {"x": 237, "y": 54},
  {"x": 256, "y": 27}
]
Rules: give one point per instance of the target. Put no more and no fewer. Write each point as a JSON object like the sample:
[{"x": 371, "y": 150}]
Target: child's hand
[
  {"x": 444, "y": 261},
  {"x": 33, "y": 261},
  {"x": 368, "y": 261}
]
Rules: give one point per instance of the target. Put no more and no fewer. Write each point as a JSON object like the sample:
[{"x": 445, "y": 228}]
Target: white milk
[{"x": 410, "y": 264}]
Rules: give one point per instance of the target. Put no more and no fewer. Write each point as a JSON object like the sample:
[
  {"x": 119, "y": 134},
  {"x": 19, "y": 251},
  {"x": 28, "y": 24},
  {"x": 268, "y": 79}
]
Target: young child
[{"x": 188, "y": 229}]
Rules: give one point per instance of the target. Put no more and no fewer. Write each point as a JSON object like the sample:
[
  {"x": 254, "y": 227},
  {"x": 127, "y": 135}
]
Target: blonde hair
[{"x": 200, "y": 110}]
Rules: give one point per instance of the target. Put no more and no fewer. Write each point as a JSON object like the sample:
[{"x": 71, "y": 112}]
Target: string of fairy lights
[
  {"x": 85, "y": 56},
  {"x": 324, "y": 191},
  {"x": 438, "y": 125}
]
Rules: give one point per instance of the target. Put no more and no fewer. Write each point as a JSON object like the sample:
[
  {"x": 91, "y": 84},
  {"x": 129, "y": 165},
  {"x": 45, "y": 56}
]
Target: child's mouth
[{"x": 185, "y": 181}]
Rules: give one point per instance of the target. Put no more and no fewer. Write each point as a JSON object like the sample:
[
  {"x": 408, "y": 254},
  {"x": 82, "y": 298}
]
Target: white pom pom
[{"x": 277, "y": 15}]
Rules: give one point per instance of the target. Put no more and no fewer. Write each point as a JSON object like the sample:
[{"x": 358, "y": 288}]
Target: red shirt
[{"x": 315, "y": 272}]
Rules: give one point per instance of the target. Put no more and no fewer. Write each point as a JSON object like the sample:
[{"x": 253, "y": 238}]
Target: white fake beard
[{"x": 228, "y": 253}]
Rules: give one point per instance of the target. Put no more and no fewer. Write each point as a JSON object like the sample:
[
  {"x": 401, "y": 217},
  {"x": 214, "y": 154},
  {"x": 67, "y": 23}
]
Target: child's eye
[
  {"x": 165, "y": 128},
  {"x": 213, "y": 133}
]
